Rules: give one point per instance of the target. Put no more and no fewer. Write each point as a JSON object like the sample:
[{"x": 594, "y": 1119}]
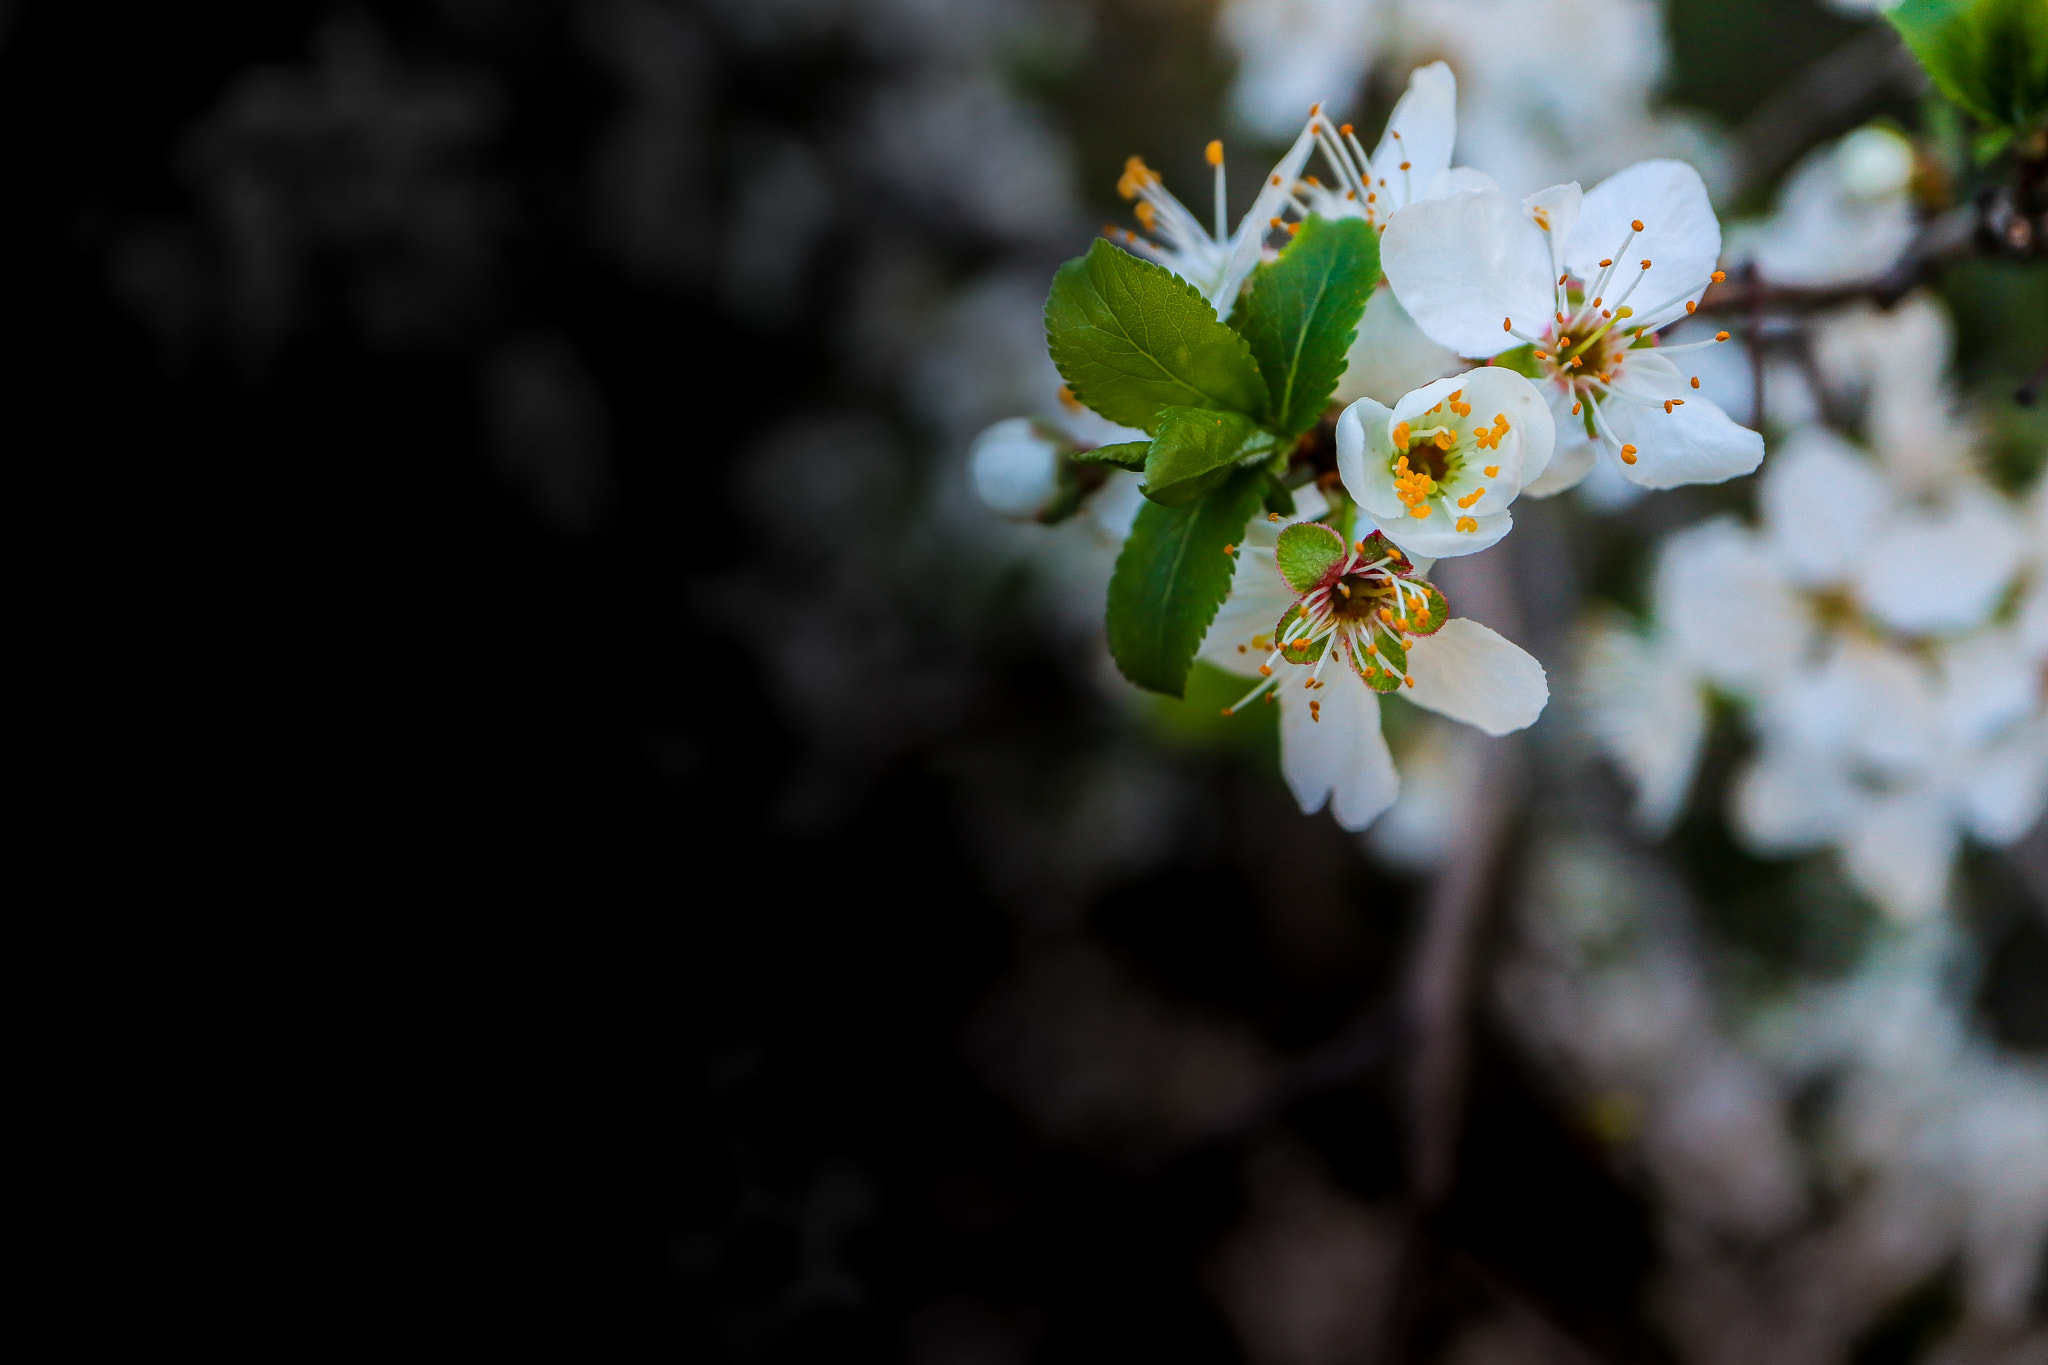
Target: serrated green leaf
[
  {"x": 1988, "y": 56},
  {"x": 1300, "y": 314},
  {"x": 1172, "y": 576},
  {"x": 1130, "y": 338},
  {"x": 1306, "y": 553},
  {"x": 1123, "y": 455},
  {"x": 1196, "y": 449}
]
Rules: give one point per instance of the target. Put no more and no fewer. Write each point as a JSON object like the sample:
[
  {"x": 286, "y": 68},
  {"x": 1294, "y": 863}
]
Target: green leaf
[
  {"x": 1196, "y": 449},
  {"x": 1989, "y": 56},
  {"x": 1300, "y": 314},
  {"x": 1123, "y": 455},
  {"x": 1522, "y": 360},
  {"x": 1306, "y": 553},
  {"x": 1130, "y": 338},
  {"x": 1428, "y": 616},
  {"x": 1172, "y": 575}
]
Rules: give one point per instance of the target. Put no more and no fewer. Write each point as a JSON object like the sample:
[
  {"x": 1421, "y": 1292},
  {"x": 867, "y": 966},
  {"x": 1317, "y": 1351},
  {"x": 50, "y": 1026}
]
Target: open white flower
[
  {"x": 1325, "y": 627},
  {"x": 1845, "y": 214},
  {"x": 1560, "y": 273},
  {"x": 1217, "y": 264},
  {"x": 1438, "y": 470},
  {"x": 1411, "y": 163}
]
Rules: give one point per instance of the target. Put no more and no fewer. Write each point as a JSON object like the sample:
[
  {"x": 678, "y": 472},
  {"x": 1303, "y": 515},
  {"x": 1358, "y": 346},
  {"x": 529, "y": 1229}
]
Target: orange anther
[
  {"x": 1344, "y": 128},
  {"x": 1720, "y": 275},
  {"x": 1695, "y": 381},
  {"x": 1637, "y": 225},
  {"x": 1628, "y": 454},
  {"x": 1720, "y": 336},
  {"x": 1493, "y": 471},
  {"x": 1214, "y": 151}
]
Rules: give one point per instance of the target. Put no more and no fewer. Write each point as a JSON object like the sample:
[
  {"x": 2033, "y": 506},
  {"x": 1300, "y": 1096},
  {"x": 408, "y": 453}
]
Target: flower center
[{"x": 1436, "y": 460}]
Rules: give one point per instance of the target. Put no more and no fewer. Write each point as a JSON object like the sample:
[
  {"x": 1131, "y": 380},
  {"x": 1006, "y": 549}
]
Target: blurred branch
[{"x": 1821, "y": 99}]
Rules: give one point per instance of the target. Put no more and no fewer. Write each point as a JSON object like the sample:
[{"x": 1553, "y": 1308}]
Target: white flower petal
[
  {"x": 1250, "y": 236},
  {"x": 1988, "y": 682},
  {"x": 1391, "y": 354},
  {"x": 1259, "y": 597},
  {"x": 1524, "y": 453},
  {"x": 1680, "y": 237},
  {"x": 1437, "y": 536},
  {"x": 1725, "y": 609},
  {"x": 1899, "y": 851},
  {"x": 1558, "y": 207},
  {"x": 1695, "y": 443},
  {"x": 1364, "y": 447},
  {"x": 1469, "y": 673},
  {"x": 1788, "y": 801},
  {"x": 1015, "y": 465},
  {"x": 1463, "y": 263},
  {"x": 1945, "y": 571},
  {"x": 1341, "y": 758},
  {"x": 1822, "y": 504},
  {"x": 2007, "y": 787},
  {"x": 1426, "y": 118},
  {"x": 1646, "y": 707},
  {"x": 1459, "y": 178}
]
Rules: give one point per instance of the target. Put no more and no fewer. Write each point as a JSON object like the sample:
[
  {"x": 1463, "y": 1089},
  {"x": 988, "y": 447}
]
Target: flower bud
[
  {"x": 1015, "y": 465},
  {"x": 1874, "y": 163}
]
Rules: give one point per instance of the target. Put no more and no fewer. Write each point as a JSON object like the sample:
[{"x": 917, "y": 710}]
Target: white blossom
[{"x": 1559, "y": 273}]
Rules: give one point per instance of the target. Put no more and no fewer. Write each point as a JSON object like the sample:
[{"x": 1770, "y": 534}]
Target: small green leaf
[
  {"x": 1300, "y": 314},
  {"x": 1123, "y": 455},
  {"x": 1989, "y": 56},
  {"x": 1522, "y": 360},
  {"x": 1196, "y": 449},
  {"x": 1307, "y": 552},
  {"x": 1173, "y": 574},
  {"x": 1130, "y": 338}
]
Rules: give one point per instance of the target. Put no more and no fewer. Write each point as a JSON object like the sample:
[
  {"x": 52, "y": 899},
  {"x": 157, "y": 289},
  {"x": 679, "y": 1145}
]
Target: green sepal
[
  {"x": 1173, "y": 573},
  {"x": 1196, "y": 449},
  {"x": 1123, "y": 455},
  {"x": 1988, "y": 56},
  {"x": 1300, "y": 314},
  {"x": 1307, "y": 553},
  {"x": 1131, "y": 338},
  {"x": 1388, "y": 654},
  {"x": 1522, "y": 360},
  {"x": 1300, "y": 651}
]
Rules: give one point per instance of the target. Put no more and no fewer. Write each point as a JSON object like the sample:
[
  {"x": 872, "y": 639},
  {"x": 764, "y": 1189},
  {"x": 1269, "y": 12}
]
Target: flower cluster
[{"x": 1884, "y": 626}]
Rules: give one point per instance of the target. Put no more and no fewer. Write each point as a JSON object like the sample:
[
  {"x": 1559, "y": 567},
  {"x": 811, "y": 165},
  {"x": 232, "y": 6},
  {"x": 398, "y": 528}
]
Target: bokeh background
[{"x": 516, "y": 453}]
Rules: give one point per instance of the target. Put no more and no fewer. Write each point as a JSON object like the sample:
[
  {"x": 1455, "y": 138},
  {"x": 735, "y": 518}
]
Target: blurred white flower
[
  {"x": 1867, "y": 624},
  {"x": 1308, "y": 599},
  {"x": 1482, "y": 276},
  {"x": 1015, "y": 464},
  {"x": 1436, "y": 479},
  {"x": 1217, "y": 264},
  {"x": 1412, "y": 161},
  {"x": 1846, "y": 213}
]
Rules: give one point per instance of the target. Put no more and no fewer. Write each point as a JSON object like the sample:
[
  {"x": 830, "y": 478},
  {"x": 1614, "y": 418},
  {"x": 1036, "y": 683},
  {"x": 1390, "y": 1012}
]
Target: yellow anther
[
  {"x": 1272, "y": 516},
  {"x": 1443, "y": 439},
  {"x": 1137, "y": 175},
  {"x": 1067, "y": 399},
  {"x": 1691, "y": 307},
  {"x": 1609, "y": 261},
  {"x": 1214, "y": 151},
  {"x": 1229, "y": 550},
  {"x": 1720, "y": 336},
  {"x": 1576, "y": 407},
  {"x": 1493, "y": 471},
  {"x": 1646, "y": 262},
  {"x": 1273, "y": 222},
  {"x": 1344, "y": 128},
  {"x": 1637, "y": 225},
  {"x": 1410, "y": 680},
  {"x": 1624, "y": 312},
  {"x": 1719, "y": 275},
  {"x": 1146, "y": 214},
  {"x": 1419, "y": 512},
  {"x": 1667, "y": 405},
  {"x": 1265, "y": 670},
  {"x": 1695, "y": 381},
  {"x": 1628, "y": 454},
  {"x": 1401, "y": 439},
  {"x": 1468, "y": 524}
]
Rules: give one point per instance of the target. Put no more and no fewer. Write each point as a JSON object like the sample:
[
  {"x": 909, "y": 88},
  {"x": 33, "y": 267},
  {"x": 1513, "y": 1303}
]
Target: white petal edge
[
  {"x": 1462, "y": 263},
  {"x": 1341, "y": 759},
  {"x": 1472, "y": 674}
]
